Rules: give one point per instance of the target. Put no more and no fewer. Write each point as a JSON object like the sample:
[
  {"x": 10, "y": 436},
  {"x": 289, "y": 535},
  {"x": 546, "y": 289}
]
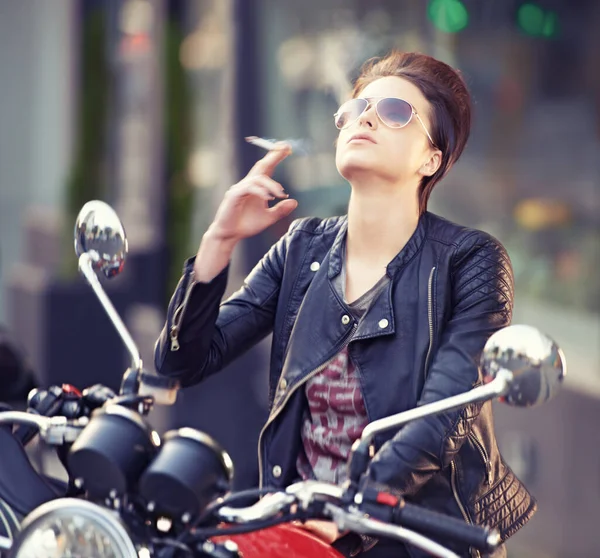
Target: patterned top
[
  {"x": 336, "y": 414},
  {"x": 336, "y": 418}
]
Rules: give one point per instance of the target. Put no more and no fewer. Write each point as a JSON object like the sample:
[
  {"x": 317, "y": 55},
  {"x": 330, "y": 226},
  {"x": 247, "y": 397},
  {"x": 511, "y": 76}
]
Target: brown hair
[{"x": 446, "y": 92}]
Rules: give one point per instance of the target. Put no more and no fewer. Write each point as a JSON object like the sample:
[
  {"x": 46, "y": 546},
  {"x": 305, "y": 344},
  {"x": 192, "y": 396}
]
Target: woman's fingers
[
  {"x": 272, "y": 185},
  {"x": 282, "y": 209},
  {"x": 259, "y": 191},
  {"x": 260, "y": 185},
  {"x": 269, "y": 162}
]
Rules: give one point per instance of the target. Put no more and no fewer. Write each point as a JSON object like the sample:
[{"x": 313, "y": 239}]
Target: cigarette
[
  {"x": 299, "y": 146},
  {"x": 261, "y": 142}
]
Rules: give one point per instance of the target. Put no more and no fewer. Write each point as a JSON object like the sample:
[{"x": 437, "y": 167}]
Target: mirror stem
[
  {"x": 85, "y": 266},
  {"x": 497, "y": 387}
]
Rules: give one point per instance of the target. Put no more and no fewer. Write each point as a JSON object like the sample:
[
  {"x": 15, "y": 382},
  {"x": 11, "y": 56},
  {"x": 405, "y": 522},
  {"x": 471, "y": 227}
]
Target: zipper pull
[
  {"x": 488, "y": 468},
  {"x": 174, "y": 340}
]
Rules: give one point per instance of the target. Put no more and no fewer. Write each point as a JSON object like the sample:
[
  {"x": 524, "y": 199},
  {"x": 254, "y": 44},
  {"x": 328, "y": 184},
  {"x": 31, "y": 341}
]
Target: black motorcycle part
[
  {"x": 130, "y": 384},
  {"x": 42, "y": 402},
  {"x": 21, "y": 487},
  {"x": 96, "y": 396},
  {"x": 189, "y": 472},
  {"x": 111, "y": 452}
]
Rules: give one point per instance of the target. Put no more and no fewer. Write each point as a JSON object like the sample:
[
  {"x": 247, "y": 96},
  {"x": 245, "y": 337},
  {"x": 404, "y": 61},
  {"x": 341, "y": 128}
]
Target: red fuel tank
[{"x": 281, "y": 541}]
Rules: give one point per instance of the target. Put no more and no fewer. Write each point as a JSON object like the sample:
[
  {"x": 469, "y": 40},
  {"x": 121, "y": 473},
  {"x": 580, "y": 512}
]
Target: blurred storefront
[{"x": 38, "y": 69}]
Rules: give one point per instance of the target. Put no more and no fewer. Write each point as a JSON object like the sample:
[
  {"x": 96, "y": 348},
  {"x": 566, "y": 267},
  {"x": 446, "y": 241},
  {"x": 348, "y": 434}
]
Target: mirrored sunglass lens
[
  {"x": 394, "y": 112},
  {"x": 349, "y": 112}
]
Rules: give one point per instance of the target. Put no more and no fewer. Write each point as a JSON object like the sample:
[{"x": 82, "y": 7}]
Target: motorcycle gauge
[{"x": 189, "y": 472}]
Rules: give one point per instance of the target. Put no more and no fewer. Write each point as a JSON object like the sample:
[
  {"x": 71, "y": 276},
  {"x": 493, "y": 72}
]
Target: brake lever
[
  {"x": 355, "y": 521},
  {"x": 265, "y": 508},
  {"x": 304, "y": 494},
  {"x": 307, "y": 491}
]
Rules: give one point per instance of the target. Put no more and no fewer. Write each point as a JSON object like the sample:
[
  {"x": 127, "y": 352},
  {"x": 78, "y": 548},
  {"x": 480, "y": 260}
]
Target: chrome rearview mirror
[
  {"x": 100, "y": 234},
  {"x": 101, "y": 245},
  {"x": 535, "y": 361}
]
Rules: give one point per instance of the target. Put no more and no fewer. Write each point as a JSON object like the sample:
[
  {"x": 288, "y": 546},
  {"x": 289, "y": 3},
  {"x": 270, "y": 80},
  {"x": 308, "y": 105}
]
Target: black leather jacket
[{"x": 451, "y": 287}]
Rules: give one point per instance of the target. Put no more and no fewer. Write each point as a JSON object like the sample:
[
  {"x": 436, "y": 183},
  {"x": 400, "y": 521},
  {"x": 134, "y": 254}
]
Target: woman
[{"x": 372, "y": 313}]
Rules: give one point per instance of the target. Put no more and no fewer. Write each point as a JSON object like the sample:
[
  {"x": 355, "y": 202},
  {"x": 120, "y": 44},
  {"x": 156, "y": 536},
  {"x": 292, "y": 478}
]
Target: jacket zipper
[
  {"x": 472, "y": 551},
  {"x": 455, "y": 493},
  {"x": 484, "y": 457},
  {"x": 429, "y": 318},
  {"x": 291, "y": 392},
  {"x": 178, "y": 316}
]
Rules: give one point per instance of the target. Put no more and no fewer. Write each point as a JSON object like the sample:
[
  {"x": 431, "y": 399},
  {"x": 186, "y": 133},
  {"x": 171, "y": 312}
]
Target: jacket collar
[{"x": 402, "y": 258}]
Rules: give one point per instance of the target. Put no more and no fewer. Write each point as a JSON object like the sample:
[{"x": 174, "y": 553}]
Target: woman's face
[{"x": 393, "y": 154}]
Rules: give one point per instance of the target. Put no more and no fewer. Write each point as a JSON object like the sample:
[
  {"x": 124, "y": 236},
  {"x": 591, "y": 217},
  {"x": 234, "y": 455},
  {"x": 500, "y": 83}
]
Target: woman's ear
[{"x": 431, "y": 166}]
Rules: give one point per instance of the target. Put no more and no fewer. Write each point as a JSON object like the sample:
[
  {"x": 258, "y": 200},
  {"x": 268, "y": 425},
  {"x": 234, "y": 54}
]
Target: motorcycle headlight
[{"x": 70, "y": 528}]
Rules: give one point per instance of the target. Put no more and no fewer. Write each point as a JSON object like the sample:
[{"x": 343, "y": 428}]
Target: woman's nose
[{"x": 369, "y": 117}]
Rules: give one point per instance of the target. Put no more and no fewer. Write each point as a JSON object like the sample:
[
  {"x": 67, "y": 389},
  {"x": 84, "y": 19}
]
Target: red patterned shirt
[
  {"x": 335, "y": 419},
  {"x": 336, "y": 414}
]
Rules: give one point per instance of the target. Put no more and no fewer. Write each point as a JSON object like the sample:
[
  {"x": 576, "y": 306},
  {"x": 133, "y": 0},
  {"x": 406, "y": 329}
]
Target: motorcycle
[{"x": 133, "y": 493}]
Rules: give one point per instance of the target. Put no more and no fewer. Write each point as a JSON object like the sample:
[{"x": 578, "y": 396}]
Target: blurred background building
[{"x": 145, "y": 103}]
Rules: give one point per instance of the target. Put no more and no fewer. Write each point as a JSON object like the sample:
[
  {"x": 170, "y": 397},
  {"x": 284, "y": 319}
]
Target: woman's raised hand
[
  {"x": 244, "y": 212},
  {"x": 245, "y": 209}
]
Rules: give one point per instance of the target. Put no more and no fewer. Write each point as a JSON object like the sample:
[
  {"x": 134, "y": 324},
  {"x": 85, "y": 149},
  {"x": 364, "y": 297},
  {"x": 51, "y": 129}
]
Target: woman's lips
[{"x": 362, "y": 138}]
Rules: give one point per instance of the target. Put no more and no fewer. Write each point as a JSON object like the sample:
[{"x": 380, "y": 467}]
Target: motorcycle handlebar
[
  {"x": 437, "y": 524},
  {"x": 383, "y": 504},
  {"x": 54, "y": 430},
  {"x": 378, "y": 512}
]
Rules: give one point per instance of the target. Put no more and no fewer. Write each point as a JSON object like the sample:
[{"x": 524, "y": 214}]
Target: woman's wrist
[
  {"x": 213, "y": 256},
  {"x": 215, "y": 237}
]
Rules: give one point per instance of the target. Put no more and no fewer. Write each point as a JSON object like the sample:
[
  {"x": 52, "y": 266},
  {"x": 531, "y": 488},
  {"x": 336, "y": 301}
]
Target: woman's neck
[{"x": 381, "y": 220}]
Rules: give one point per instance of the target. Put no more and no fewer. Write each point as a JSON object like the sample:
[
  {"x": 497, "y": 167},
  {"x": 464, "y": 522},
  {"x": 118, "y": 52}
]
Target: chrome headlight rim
[{"x": 70, "y": 507}]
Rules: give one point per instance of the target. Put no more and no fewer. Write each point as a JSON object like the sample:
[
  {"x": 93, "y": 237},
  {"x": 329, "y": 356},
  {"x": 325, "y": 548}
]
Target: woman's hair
[{"x": 446, "y": 92}]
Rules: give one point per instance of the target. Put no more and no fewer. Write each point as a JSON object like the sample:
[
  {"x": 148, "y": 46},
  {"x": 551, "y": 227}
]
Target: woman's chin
[{"x": 355, "y": 168}]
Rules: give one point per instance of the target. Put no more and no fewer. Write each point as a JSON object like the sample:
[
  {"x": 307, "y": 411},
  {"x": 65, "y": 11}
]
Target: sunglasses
[{"x": 393, "y": 112}]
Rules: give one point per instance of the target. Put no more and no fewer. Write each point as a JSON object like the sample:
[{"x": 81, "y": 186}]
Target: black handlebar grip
[
  {"x": 40, "y": 402},
  {"x": 439, "y": 525},
  {"x": 97, "y": 395}
]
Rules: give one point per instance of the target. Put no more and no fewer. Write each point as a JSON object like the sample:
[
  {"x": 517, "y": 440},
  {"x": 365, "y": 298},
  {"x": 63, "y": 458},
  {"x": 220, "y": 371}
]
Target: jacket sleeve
[
  {"x": 482, "y": 301},
  {"x": 202, "y": 335}
]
